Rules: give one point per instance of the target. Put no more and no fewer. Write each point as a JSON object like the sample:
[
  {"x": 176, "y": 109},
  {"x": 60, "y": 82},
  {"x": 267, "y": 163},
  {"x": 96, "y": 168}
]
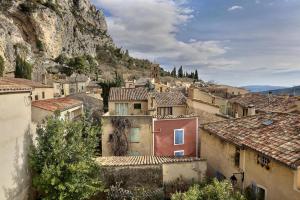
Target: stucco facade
[
  {"x": 131, "y": 110},
  {"x": 164, "y": 136},
  {"x": 279, "y": 181},
  {"x": 42, "y": 93},
  {"x": 142, "y": 144},
  {"x": 15, "y": 118}
]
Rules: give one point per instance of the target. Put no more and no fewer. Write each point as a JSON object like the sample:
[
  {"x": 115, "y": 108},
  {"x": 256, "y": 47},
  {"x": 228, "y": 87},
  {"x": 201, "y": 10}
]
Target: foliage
[
  {"x": 214, "y": 191},
  {"x": 173, "y": 73},
  {"x": 118, "y": 193},
  {"x": 39, "y": 45},
  {"x": 62, "y": 160},
  {"x": 196, "y": 77},
  {"x": 2, "y": 67},
  {"x": 118, "y": 139},
  {"x": 106, "y": 85},
  {"x": 28, "y": 7},
  {"x": 23, "y": 68},
  {"x": 138, "y": 193}
]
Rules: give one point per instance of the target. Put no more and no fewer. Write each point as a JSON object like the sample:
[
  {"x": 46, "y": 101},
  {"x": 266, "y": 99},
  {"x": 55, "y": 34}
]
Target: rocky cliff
[{"x": 41, "y": 30}]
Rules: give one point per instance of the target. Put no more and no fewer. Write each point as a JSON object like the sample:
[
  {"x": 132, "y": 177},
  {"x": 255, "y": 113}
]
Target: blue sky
[{"x": 236, "y": 42}]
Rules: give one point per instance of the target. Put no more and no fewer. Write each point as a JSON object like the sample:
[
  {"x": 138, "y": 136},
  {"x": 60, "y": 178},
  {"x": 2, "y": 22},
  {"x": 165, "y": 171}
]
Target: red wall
[{"x": 164, "y": 136}]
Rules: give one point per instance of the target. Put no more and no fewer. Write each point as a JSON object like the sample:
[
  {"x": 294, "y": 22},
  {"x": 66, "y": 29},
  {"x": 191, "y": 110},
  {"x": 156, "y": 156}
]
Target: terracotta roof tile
[
  {"x": 60, "y": 104},
  {"x": 266, "y": 103},
  {"x": 279, "y": 140},
  {"x": 128, "y": 94},
  {"x": 141, "y": 160},
  {"x": 169, "y": 98},
  {"x": 6, "y": 87},
  {"x": 26, "y": 82}
]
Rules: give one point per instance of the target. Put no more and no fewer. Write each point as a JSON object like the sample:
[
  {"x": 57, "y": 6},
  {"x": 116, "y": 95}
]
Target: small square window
[
  {"x": 178, "y": 136},
  {"x": 137, "y": 106},
  {"x": 36, "y": 97},
  {"x": 134, "y": 135},
  {"x": 179, "y": 153}
]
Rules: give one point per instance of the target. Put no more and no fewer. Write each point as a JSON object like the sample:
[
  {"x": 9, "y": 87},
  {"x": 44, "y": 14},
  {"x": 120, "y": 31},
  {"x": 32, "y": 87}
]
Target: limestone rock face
[{"x": 42, "y": 30}]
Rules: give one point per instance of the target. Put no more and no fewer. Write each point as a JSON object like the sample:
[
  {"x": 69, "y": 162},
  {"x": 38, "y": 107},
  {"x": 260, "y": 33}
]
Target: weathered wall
[
  {"x": 38, "y": 114},
  {"x": 49, "y": 93},
  {"x": 164, "y": 136},
  {"x": 191, "y": 171},
  {"x": 15, "y": 117},
  {"x": 134, "y": 176},
  {"x": 131, "y": 110},
  {"x": 279, "y": 181},
  {"x": 143, "y": 147}
]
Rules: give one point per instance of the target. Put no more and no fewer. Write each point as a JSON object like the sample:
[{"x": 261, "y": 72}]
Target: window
[
  {"x": 134, "y": 135},
  {"x": 121, "y": 108},
  {"x": 263, "y": 161},
  {"x": 237, "y": 157},
  {"x": 178, "y": 136},
  {"x": 259, "y": 193},
  {"x": 245, "y": 112},
  {"x": 137, "y": 106},
  {"x": 43, "y": 95},
  {"x": 36, "y": 97},
  {"x": 164, "y": 111},
  {"x": 179, "y": 153}
]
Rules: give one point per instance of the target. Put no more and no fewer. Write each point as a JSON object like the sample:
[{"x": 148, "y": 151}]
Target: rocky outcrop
[{"x": 41, "y": 30}]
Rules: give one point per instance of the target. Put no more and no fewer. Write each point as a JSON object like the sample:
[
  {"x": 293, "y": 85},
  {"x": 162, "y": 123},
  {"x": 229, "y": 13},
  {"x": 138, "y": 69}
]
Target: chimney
[{"x": 251, "y": 110}]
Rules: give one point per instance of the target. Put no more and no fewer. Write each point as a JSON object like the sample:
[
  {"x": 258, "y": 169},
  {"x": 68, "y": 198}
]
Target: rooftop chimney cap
[{"x": 251, "y": 106}]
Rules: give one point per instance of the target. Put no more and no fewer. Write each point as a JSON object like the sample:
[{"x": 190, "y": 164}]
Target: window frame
[
  {"x": 138, "y": 135},
  {"x": 182, "y": 136},
  {"x": 140, "y": 106},
  {"x": 179, "y": 151}
]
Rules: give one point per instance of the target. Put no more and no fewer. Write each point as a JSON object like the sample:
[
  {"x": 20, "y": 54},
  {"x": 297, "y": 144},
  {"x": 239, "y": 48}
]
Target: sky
[{"x": 235, "y": 42}]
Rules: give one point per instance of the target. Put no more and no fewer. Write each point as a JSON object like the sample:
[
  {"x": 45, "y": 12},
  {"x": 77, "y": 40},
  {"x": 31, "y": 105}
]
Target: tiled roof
[
  {"x": 276, "y": 135},
  {"x": 266, "y": 103},
  {"x": 6, "y": 87},
  {"x": 141, "y": 160},
  {"x": 128, "y": 94},
  {"x": 60, "y": 104},
  {"x": 22, "y": 81},
  {"x": 192, "y": 115},
  {"x": 169, "y": 98}
]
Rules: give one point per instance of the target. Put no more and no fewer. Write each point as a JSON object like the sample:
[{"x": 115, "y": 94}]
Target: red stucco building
[{"x": 177, "y": 137}]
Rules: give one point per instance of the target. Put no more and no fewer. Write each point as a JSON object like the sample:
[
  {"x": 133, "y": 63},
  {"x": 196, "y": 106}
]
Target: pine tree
[
  {"x": 180, "y": 72},
  {"x": 173, "y": 73},
  {"x": 196, "y": 76}
]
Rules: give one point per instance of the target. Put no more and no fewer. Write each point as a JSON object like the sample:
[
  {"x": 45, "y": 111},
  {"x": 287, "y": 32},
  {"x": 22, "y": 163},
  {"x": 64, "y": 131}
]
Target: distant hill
[
  {"x": 262, "y": 88},
  {"x": 286, "y": 91}
]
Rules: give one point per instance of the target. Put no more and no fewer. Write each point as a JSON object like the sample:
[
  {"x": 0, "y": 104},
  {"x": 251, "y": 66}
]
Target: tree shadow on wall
[{"x": 21, "y": 173}]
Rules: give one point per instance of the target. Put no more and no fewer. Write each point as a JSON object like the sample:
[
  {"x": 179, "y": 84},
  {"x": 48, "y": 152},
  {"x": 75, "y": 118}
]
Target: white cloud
[
  {"x": 232, "y": 8},
  {"x": 148, "y": 29}
]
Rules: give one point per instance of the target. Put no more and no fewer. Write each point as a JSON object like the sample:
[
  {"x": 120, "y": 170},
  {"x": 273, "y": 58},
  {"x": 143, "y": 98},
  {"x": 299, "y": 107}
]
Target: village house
[
  {"x": 65, "y": 108},
  {"x": 259, "y": 154},
  {"x": 39, "y": 91},
  {"x": 154, "y": 171},
  {"x": 71, "y": 85},
  {"x": 153, "y": 117},
  {"x": 15, "y": 119},
  {"x": 253, "y": 103},
  {"x": 175, "y": 136}
]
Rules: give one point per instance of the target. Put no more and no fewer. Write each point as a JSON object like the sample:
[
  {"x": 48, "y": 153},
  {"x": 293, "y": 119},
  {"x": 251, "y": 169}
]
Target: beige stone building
[
  {"x": 169, "y": 169},
  {"x": 15, "y": 119},
  {"x": 257, "y": 153},
  {"x": 253, "y": 103},
  {"x": 139, "y": 135},
  {"x": 39, "y": 91},
  {"x": 65, "y": 108}
]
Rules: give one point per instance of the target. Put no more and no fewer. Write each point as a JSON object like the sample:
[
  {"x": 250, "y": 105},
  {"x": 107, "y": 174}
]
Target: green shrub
[
  {"x": 118, "y": 193},
  {"x": 2, "y": 67},
  {"x": 214, "y": 191},
  {"x": 62, "y": 160},
  {"x": 39, "y": 45},
  {"x": 23, "y": 68}
]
